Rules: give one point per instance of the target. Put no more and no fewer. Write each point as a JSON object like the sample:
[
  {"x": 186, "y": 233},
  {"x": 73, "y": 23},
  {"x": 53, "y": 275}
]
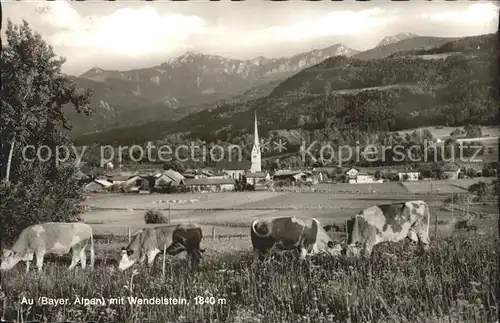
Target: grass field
[{"x": 454, "y": 282}]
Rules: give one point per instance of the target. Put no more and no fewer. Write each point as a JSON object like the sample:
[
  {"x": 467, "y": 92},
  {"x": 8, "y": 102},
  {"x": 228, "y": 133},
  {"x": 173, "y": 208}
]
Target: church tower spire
[{"x": 256, "y": 153}]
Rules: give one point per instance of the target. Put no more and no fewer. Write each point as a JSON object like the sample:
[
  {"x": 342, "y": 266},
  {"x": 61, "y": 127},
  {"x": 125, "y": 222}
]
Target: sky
[{"x": 129, "y": 34}]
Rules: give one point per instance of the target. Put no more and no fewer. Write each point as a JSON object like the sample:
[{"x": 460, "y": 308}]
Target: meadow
[{"x": 453, "y": 282}]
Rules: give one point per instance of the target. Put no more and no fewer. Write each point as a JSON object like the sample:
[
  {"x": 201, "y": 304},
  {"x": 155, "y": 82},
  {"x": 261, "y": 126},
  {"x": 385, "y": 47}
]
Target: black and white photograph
[{"x": 249, "y": 161}]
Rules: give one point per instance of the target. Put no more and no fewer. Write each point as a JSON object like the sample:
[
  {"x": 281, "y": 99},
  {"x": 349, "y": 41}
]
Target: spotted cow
[
  {"x": 53, "y": 238},
  {"x": 305, "y": 235},
  {"x": 388, "y": 222},
  {"x": 151, "y": 241}
]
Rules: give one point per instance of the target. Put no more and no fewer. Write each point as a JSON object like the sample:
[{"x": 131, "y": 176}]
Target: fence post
[
  {"x": 129, "y": 234},
  {"x": 213, "y": 233},
  {"x": 164, "y": 258},
  {"x": 169, "y": 217}
]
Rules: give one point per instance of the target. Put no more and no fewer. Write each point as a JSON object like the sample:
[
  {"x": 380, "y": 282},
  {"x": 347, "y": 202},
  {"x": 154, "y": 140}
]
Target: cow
[
  {"x": 53, "y": 238},
  {"x": 305, "y": 235},
  {"x": 151, "y": 241},
  {"x": 387, "y": 223}
]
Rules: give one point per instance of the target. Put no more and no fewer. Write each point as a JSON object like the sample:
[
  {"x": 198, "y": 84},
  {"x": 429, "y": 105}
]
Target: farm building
[
  {"x": 98, "y": 185},
  {"x": 211, "y": 184},
  {"x": 362, "y": 177},
  {"x": 117, "y": 179},
  {"x": 410, "y": 175},
  {"x": 234, "y": 170},
  {"x": 162, "y": 180},
  {"x": 257, "y": 178},
  {"x": 176, "y": 177},
  {"x": 450, "y": 171},
  {"x": 291, "y": 176},
  {"x": 142, "y": 182}
]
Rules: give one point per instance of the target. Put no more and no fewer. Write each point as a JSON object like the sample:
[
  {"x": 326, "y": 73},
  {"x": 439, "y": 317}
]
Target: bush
[
  {"x": 34, "y": 199},
  {"x": 154, "y": 217}
]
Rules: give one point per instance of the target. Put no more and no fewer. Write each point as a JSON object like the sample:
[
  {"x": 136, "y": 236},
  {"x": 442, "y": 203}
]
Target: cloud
[
  {"x": 345, "y": 22},
  {"x": 479, "y": 13},
  {"x": 129, "y": 32}
]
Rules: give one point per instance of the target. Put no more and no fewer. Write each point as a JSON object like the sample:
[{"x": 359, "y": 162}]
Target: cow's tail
[
  {"x": 264, "y": 226},
  {"x": 92, "y": 253}
]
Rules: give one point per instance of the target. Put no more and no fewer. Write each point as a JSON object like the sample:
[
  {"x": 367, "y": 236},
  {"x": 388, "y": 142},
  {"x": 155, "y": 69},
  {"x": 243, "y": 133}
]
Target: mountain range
[
  {"x": 410, "y": 83},
  {"x": 186, "y": 84}
]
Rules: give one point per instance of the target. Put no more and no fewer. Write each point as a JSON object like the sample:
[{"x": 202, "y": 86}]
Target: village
[{"x": 250, "y": 176}]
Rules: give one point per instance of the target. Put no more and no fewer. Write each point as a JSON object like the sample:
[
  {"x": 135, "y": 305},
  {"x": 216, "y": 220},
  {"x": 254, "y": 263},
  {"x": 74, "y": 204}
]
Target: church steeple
[{"x": 256, "y": 154}]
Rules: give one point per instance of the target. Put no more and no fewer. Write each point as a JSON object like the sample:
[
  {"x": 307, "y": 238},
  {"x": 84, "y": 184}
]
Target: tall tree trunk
[{"x": 9, "y": 160}]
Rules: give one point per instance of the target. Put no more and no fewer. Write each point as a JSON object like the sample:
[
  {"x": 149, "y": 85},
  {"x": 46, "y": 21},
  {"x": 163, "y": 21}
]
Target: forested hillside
[
  {"x": 346, "y": 100},
  {"x": 387, "y": 94}
]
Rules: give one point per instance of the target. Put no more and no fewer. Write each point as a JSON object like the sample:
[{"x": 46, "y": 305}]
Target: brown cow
[
  {"x": 151, "y": 241},
  {"x": 306, "y": 235}
]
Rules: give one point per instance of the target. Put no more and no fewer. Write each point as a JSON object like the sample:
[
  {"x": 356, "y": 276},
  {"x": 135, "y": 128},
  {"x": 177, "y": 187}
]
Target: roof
[
  {"x": 209, "y": 181},
  {"x": 288, "y": 173},
  {"x": 218, "y": 174},
  {"x": 348, "y": 169},
  {"x": 118, "y": 178},
  {"x": 176, "y": 176},
  {"x": 257, "y": 175},
  {"x": 449, "y": 168},
  {"x": 102, "y": 182}
]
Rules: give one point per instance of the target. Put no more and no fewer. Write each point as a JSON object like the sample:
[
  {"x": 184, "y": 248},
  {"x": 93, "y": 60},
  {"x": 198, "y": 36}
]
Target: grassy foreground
[{"x": 454, "y": 282}]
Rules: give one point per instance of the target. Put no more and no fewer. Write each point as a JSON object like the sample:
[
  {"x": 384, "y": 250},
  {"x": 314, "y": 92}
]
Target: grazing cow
[
  {"x": 306, "y": 235},
  {"x": 151, "y": 241},
  {"x": 388, "y": 222},
  {"x": 52, "y": 237}
]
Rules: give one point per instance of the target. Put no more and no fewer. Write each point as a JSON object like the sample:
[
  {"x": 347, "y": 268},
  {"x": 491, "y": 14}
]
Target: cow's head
[
  {"x": 334, "y": 248},
  {"x": 128, "y": 258},
  {"x": 352, "y": 251},
  {"x": 10, "y": 258}
]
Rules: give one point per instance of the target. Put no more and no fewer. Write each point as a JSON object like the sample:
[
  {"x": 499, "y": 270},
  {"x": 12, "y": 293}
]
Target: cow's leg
[
  {"x": 367, "y": 249},
  {"x": 83, "y": 257},
  {"x": 40, "y": 254},
  {"x": 303, "y": 253},
  {"x": 151, "y": 256},
  {"x": 422, "y": 232},
  {"x": 195, "y": 259},
  {"x": 28, "y": 258},
  {"x": 76, "y": 257}
]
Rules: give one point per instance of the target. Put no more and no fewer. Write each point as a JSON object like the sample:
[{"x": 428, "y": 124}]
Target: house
[
  {"x": 176, "y": 177},
  {"x": 117, "y": 179},
  {"x": 211, "y": 184},
  {"x": 219, "y": 175},
  {"x": 363, "y": 178},
  {"x": 257, "y": 178},
  {"x": 162, "y": 180},
  {"x": 290, "y": 176},
  {"x": 449, "y": 171},
  {"x": 235, "y": 169},
  {"x": 351, "y": 172},
  {"x": 410, "y": 175},
  {"x": 98, "y": 185},
  {"x": 142, "y": 182}
]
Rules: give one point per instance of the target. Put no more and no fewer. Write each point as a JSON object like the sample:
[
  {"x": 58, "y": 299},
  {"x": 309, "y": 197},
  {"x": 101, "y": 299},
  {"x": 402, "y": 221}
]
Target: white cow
[
  {"x": 388, "y": 222},
  {"x": 51, "y": 237}
]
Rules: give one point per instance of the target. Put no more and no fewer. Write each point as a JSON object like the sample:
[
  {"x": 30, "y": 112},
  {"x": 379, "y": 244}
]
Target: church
[{"x": 255, "y": 175}]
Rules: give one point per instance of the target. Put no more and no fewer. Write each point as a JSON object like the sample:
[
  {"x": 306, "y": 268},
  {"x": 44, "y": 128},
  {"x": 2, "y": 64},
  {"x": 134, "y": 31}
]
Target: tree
[
  {"x": 175, "y": 165},
  {"x": 473, "y": 131},
  {"x": 34, "y": 94}
]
